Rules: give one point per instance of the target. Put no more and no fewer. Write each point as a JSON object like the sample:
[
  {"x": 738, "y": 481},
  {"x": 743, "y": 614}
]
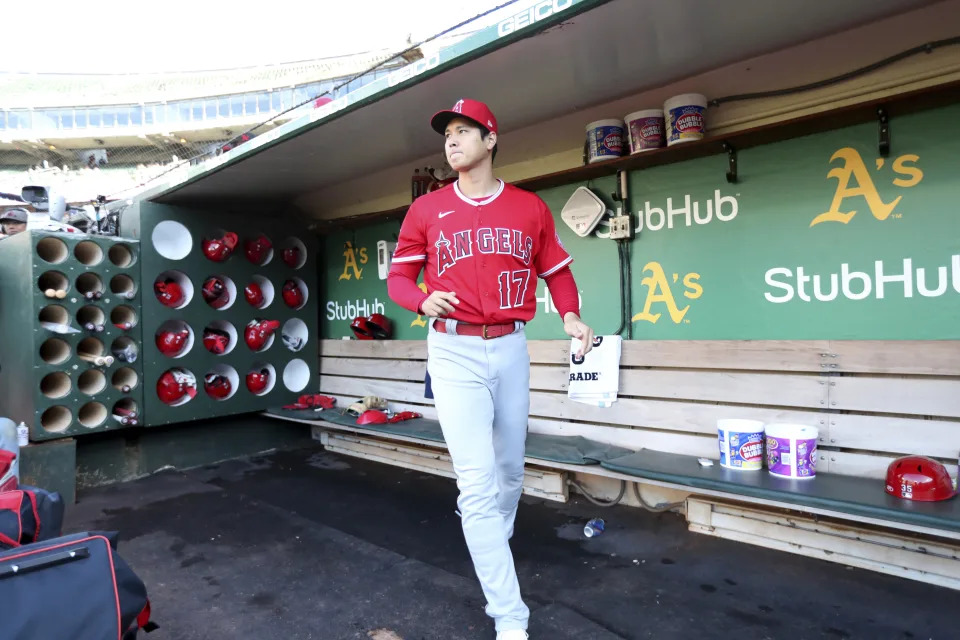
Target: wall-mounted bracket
[
  {"x": 883, "y": 144},
  {"x": 732, "y": 162}
]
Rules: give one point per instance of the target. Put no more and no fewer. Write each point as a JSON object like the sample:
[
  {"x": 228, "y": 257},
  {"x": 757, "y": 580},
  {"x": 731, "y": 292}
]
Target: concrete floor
[{"x": 306, "y": 544}]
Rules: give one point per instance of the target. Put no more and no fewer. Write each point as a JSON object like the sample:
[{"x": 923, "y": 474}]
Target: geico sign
[
  {"x": 536, "y": 13},
  {"x": 412, "y": 70}
]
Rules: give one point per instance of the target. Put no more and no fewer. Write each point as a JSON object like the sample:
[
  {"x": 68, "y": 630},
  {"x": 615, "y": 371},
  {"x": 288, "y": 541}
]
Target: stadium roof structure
[
  {"x": 549, "y": 59},
  {"x": 34, "y": 90}
]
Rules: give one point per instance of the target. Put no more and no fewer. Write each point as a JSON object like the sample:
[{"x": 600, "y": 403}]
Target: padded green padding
[
  {"x": 571, "y": 449},
  {"x": 566, "y": 449},
  {"x": 847, "y": 494}
]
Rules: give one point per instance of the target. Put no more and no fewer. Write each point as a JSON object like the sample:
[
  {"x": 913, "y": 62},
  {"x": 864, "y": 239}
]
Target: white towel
[{"x": 596, "y": 379}]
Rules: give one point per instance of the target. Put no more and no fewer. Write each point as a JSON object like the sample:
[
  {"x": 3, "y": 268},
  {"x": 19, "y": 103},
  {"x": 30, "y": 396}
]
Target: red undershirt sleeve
[
  {"x": 402, "y": 285},
  {"x": 563, "y": 290}
]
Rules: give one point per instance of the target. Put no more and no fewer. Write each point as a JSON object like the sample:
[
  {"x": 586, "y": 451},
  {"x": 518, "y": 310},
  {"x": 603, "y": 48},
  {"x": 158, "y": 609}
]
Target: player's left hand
[{"x": 577, "y": 328}]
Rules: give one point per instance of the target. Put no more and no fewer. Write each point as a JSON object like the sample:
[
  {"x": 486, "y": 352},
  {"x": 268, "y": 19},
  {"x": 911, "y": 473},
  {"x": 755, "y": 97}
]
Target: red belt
[{"x": 485, "y": 331}]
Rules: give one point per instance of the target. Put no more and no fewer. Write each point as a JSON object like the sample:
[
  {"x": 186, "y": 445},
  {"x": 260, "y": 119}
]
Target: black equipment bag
[
  {"x": 29, "y": 514},
  {"x": 74, "y": 587}
]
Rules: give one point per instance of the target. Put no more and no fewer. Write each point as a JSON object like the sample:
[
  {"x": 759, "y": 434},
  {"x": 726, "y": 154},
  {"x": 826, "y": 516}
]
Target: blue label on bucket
[
  {"x": 741, "y": 450},
  {"x": 686, "y": 123},
  {"x": 605, "y": 142}
]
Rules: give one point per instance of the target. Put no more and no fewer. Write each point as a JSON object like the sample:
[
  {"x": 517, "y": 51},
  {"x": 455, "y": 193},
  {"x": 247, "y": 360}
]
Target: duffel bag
[{"x": 74, "y": 587}]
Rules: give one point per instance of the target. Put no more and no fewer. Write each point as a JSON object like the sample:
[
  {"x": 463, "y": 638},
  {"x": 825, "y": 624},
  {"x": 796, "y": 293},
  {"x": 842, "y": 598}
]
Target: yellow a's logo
[
  {"x": 854, "y": 171},
  {"x": 350, "y": 261},
  {"x": 659, "y": 291},
  {"x": 420, "y": 321}
]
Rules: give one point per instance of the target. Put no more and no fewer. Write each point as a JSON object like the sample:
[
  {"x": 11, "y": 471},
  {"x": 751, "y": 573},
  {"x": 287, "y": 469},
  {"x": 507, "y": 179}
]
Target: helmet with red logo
[
  {"x": 373, "y": 327},
  {"x": 919, "y": 478},
  {"x": 257, "y": 380},
  {"x": 291, "y": 256},
  {"x": 171, "y": 343},
  {"x": 217, "y": 386},
  {"x": 215, "y": 292},
  {"x": 168, "y": 292},
  {"x": 175, "y": 384},
  {"x": 216, "y": 341},
  {"x": 219, "y": 249},
  {"x": 257, "y": 332},
  {"x": 372, "y": 416},
  {"x": 257, "y": 249},
  {"x": 292, "y": 294},
  {"x": 254, "y": 295}
]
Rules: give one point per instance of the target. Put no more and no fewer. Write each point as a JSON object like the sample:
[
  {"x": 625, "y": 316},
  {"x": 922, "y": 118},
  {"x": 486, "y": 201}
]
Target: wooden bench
[{"x": 871, "y": 400}]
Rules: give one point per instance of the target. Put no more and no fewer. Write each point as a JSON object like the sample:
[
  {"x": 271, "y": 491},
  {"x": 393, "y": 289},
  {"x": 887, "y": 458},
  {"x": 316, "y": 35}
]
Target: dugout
[{"x": 822, "y": 287}]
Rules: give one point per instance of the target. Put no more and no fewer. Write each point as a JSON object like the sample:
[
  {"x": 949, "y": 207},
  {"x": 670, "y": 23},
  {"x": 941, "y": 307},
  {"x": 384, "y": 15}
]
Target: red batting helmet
[
  {"x": 292, "y": 294},
  {"x": 291, "y": 256},
  {"x": 216, "y": 341},
  {"x": 219, "y": 249},
  {"x": 171, "y": 343},
  {"x": 373, "y": 327},
  {"x": 257, "y": 380},
  {"x": 215, "y": 292},
  {"x": 174, "y": 384},
  {"x": 372, "y": 416},
  {"x": 919, "y": 478},
  {"x": 217, "y": 386},
  {"x": 254, "y": 294},
  {"x": 168, "y": 293},
  {"x": 257, "y": 332},
  {"x": 257, "y": 249}
]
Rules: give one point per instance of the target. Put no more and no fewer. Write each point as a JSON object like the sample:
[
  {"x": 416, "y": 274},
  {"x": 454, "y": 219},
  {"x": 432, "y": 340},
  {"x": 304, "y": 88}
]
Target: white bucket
[
  {"x": 604, "y": 140},
  {"x": 645, "y": 130},
  {"x": 741, "y": 444},
  {"x": 685, "y": 118},
  {"x": 792, "y": 450}
]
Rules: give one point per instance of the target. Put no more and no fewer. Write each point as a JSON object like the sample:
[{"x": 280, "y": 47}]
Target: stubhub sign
[{"x": 536, "y": 13}]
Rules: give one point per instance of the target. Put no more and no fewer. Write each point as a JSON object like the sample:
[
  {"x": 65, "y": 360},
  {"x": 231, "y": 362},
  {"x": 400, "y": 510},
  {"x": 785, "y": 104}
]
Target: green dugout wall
[{"x": 820, "y": 238}]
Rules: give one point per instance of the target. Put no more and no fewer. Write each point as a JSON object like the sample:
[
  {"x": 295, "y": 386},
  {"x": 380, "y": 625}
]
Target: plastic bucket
[
  {"x": 685, "y": 118},
  {"x": 792, "y": 450},
  {"x": 604, "y": 140},
  {"x": 741, "y": 444},
  {"x": 645, "y": 130}
]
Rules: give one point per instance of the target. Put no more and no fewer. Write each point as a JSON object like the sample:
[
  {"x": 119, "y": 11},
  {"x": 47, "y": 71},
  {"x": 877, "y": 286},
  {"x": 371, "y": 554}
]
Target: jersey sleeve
[
  {"x": 551, "y": 256},
  {"x": 412, "y": 241}
]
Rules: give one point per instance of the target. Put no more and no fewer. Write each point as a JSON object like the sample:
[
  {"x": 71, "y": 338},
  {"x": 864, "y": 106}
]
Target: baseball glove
[{"x": 374, "y": 402}]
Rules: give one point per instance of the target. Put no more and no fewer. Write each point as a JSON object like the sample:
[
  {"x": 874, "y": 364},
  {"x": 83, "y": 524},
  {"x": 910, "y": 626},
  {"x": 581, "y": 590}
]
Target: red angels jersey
[{"x": 489, "y": 252}]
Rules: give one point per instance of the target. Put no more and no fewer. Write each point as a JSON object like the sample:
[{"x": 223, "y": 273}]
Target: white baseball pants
[{"x": 481, "y": 389}]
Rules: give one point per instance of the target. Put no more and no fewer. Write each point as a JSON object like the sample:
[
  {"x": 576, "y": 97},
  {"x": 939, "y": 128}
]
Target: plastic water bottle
[
  {"x": 594, "y": 528},
  {"x": 23, "y": 434}
]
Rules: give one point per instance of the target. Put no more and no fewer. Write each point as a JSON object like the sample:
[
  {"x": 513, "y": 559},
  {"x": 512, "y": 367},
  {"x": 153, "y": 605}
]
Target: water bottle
[
  {"x": 23, "y": 434},
  {"x": 594, "y": 528}
]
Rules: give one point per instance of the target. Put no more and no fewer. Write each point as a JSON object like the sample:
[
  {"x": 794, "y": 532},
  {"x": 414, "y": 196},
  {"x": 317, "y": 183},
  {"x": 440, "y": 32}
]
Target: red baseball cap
[{"x": 465, "y": 108}]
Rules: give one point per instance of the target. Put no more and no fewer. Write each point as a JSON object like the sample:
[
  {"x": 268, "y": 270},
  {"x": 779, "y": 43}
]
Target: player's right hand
[{"x": 439, "y": 304}]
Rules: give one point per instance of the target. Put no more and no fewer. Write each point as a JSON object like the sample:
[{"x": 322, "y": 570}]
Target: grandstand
[{"x": 90, "y": 135}]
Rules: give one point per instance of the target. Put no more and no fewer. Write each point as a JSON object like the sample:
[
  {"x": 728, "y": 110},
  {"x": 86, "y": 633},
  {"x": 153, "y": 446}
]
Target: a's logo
[
  {"x": 659, "y": 291},
  {"x": 420, "y": 321},
  {"x": 444, "y": 214},
  {"x": 350, "y": 261},
  {"x": 853, "y": 180},
  {"x": 458, "y": 108}
]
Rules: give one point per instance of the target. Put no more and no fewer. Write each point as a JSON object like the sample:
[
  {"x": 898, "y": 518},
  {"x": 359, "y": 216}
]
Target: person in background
[{"x": 13, "y": 221}]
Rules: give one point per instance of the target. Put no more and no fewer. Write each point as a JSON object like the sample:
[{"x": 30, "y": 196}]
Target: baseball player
[
  {"x": 13, "y": 221},
  {"x": 482, "y": 245}
]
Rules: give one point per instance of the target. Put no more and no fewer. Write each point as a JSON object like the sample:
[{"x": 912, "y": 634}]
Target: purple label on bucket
[
  {"x": 780, "y": 458},
  {"x": 646, "y": 133}
]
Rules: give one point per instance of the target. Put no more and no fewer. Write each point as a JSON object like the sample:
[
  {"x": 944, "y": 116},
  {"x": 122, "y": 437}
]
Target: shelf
[{"x": 898, "y": 105}]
